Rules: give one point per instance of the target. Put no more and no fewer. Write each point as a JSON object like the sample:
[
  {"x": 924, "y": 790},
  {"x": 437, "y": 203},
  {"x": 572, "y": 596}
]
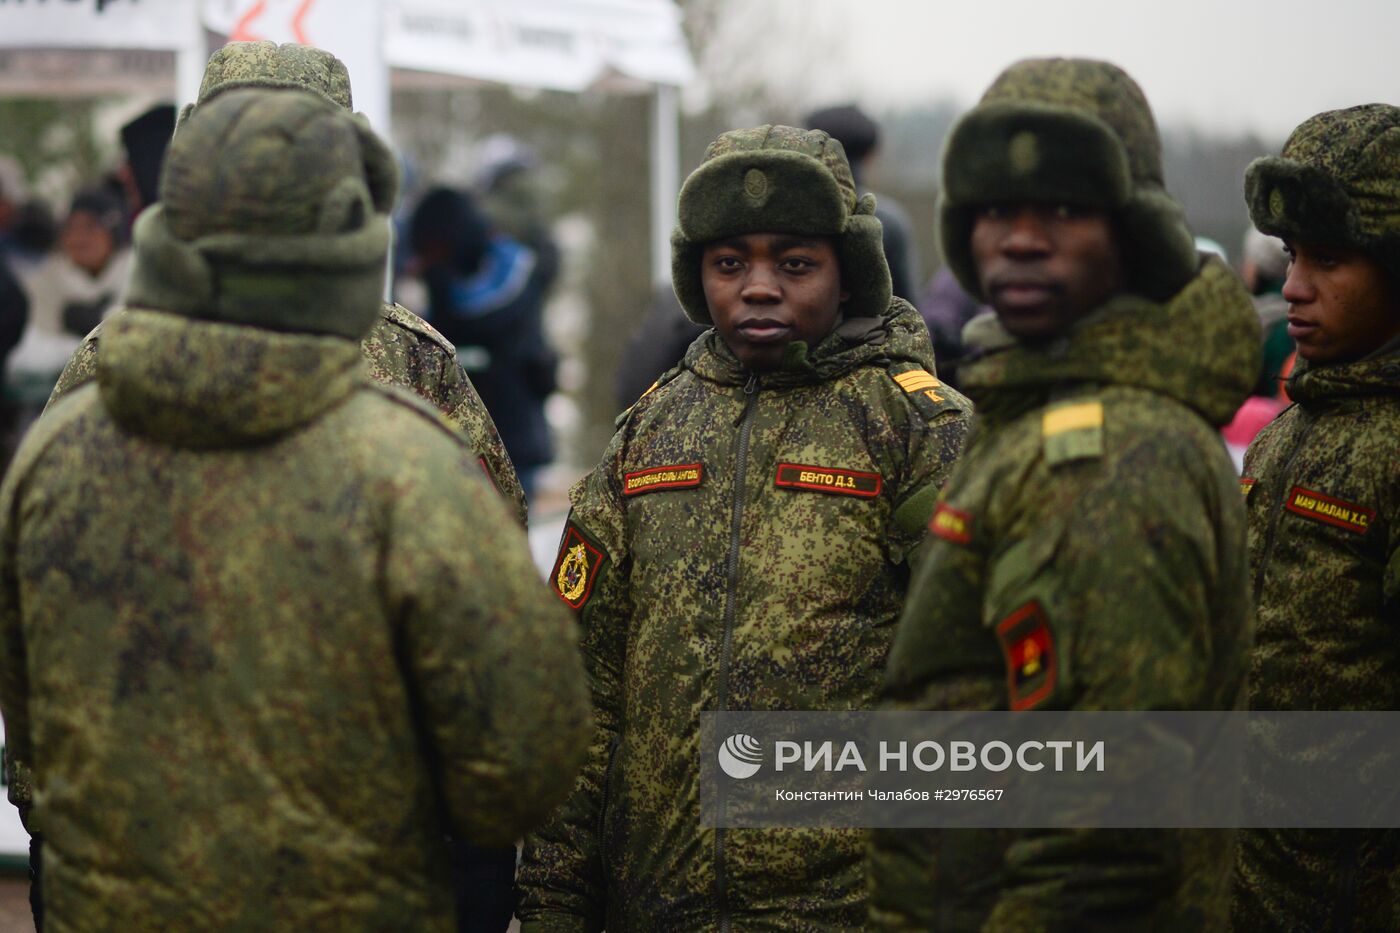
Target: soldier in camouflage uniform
[
  {"x": 1323, "y": 499},
  {"x": 265, "y": 639},
  {"x": 744, "y": 545},
  {"x": 1088, "y": 549},
  {"x": 401, "y": 348}
]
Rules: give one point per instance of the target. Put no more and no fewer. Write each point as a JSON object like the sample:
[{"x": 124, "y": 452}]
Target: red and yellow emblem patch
[
  {"x": 951, "y": 524},
  {"x": 1029, "y": 649},
  {"x": 655, "y": 479},
  {"x": 1246, "y": 485},
  {"x": 828, "y": 479},
  {"x": 1323, "y": 508},
  {"x": 576, "y": 568}
]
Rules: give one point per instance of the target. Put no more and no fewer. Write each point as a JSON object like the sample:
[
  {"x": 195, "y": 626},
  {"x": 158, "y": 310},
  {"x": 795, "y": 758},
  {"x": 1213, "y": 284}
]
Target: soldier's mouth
[
  {"x": 1298, "y": 327},
  {"x": 764, "y": 330}
]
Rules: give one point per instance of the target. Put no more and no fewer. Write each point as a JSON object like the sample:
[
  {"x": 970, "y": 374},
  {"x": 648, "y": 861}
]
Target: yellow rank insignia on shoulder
[
  {"x": 920, "y": 380},
  {"x": 1072, "y": 431},
  {"x": 576, "y": 568},
  {"x": 1246, "y": 485}
]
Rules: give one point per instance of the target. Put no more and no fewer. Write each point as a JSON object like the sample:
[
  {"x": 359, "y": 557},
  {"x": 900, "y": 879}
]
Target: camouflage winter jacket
[
  {"x": 266, "y": 641},
  {"x": 743, "y": 545},
  {"x": 1089, "y": 555},
  {"x": 1323, "y": 499},
  {"x": 404, "y": 350}
]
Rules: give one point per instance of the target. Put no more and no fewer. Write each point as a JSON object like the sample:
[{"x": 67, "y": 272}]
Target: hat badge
[{"x": 756, "y": 186}]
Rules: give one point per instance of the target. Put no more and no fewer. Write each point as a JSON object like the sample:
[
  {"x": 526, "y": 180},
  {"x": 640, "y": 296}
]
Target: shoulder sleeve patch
[
  {"x": 1072, "y": 431},
  {"x": 927, "y": 393},
  {"x": 577, "y": 567},
  {"x": 1246, "y": 485},
  {"x": 951, "y": 524},
  {"x": 1028, "y": 646},
  {"x": 398, "y": 314}
]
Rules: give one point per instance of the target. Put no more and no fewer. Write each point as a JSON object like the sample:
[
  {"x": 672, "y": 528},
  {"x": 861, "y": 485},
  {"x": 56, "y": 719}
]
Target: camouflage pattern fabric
[
  {"x": 742, "y": 545},
  {"x": 266, "y": 640},
  {"x": 401, "y": 350},
  {"x": 1088, "y": 554},
  {"x": 1324, "y": 543}
]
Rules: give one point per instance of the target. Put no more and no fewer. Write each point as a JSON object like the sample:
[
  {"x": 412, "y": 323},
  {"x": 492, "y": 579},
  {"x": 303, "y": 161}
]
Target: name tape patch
[
  {"x": 951, "y": 524},
  {"x": 1029, "y": 649},
  {"x": 576, "y": 568},
  {"x": 828, "y": 479},
  {"x": 1324, "y": 508},
  {"x": 655, "y": 479}
]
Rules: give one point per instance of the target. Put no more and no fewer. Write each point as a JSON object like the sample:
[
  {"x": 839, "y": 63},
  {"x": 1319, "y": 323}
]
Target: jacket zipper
[
  {"x": 613, "y": 746},
  {"x": 1279, "y": 507},
  {"x": 726, "y": 650}
]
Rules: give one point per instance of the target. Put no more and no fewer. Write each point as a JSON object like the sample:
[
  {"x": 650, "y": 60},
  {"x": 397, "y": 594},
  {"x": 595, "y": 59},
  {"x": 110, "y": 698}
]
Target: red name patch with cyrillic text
[
  {"x": 1323, "y": 508},
  {"x": 1029, "y": 649},
  {"x": 951, "y": 524},
  {"x": 655, "y": 479},
  {"x": 828, "y": 479}
]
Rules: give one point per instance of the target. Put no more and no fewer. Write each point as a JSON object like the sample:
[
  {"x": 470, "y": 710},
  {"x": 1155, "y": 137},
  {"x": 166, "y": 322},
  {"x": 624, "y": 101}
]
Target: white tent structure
[
  {"x": 52, "y": 48},
  {"x": 84, "y": 47}
]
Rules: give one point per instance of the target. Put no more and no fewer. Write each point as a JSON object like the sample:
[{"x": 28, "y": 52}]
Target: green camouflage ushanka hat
[
  {"x": 264, "y": 64},
  {"x": 1066, "y": 130},
  {"x": 1337, "y": 184},
  {"x": 779, "y": 179},
  {"x": 273, "y": 213}
]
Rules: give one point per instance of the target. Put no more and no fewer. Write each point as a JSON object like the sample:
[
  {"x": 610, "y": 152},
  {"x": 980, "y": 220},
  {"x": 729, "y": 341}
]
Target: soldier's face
[
  {"x": 766, "y": 290},
  {"x": 1341, "y": 304},
  {"x": 1042, "y": 266}
]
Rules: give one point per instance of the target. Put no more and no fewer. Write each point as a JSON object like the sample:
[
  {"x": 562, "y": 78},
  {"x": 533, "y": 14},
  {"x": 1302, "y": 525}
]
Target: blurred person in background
[
  {"x": 144, "y": 140},
  {"x": 1264, "y": 267},
  {"x": 27, "y": 228},
  {"x": 486, "y": 294},
  {"x": 859, "y": 135},
  {"x": 75, "y": 287},
  {"x": 946, "y": 309}
]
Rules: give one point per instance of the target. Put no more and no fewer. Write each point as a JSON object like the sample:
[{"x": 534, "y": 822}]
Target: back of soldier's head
[{"x": 273, "y": 213}]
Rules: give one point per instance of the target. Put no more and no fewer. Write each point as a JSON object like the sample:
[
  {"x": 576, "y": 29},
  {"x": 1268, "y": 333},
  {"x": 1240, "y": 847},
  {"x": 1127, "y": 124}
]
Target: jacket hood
[
  {"x": 201, "y": 384},
  {"x": 1377, "y": 374},
  {"x": 1200, "y": 347},
  {"x": 897, "y": 335}
]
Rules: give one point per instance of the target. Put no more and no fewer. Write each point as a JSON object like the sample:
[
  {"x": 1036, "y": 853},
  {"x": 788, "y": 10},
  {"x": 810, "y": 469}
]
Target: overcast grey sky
[{"x": 1216, "y": 64}]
